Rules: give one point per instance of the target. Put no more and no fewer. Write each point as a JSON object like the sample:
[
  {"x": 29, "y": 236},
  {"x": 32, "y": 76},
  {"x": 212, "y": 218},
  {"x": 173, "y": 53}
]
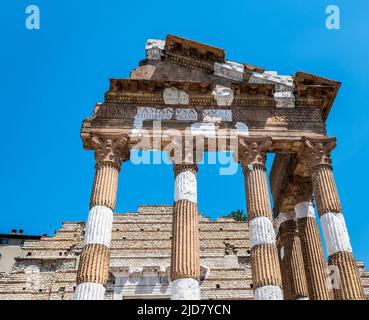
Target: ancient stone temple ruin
[{"x": 186, "y": 99}]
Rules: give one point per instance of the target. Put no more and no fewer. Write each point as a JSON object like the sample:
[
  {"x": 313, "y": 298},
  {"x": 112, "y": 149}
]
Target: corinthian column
[
  {"x": 93, "y": 270},
  {"x": 185, "y": 259},
  {"x": 266, "y": 273},
  {"x": 290, "y": 258},
  {"x": 346, "y": 280}
]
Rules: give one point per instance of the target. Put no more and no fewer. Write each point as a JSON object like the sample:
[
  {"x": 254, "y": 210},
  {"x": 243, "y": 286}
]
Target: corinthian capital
[
  {"x": 252, "y": 150},
  {"x": 318, "y": 150},
  {"x": 111, "y": 149}
]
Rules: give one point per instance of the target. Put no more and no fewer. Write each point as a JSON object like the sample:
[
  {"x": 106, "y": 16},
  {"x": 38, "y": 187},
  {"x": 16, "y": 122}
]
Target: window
[{"x": 4, "y": 242}]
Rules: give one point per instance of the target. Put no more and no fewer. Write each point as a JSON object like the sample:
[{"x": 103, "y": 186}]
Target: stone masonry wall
[{"x": 139, "y": 263}]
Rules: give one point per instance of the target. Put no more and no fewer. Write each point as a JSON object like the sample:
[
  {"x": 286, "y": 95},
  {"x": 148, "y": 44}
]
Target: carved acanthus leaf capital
[
  {"x": 252, "y": 150},
  {"x": 318, "y": 150},
  {"x": 111, "y": 149}
]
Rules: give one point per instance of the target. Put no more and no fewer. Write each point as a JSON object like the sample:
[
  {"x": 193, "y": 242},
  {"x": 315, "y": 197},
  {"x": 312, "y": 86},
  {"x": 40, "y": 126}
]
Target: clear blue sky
[{"x": 51, "y": 79}]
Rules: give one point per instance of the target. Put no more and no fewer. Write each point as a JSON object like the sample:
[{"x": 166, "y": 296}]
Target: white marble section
[
  {"x": 242, "y": 129},
  {"x": 99, "y": 226},
  {"x": 206, "y": 129},
  {"x": 149, "y": 113},
  {"x": 282, "y": 217},
  {"x": 284, "y": 99},
  {"x": 281, "y": 253},
  {"x": 175, "y": 96},
  {"x": 229, "y": 69},
  {"x": 185, "y": 187},
  {"x": 89, "y": 291},
  {"x": 271, "y": 77},
  {"x": 223, "y": 95},
  {"x": 268, "y": 293},
  {"x": 335, "y": 233},
  {"x": 217, "y": 115},
  {"x": 186, "y": 114},
  {"x": 154, "y": 49},
  {"x": 261, "y": 231},
  {"x": 304, "y": 210},
  {"x": 185, "y": 289}
]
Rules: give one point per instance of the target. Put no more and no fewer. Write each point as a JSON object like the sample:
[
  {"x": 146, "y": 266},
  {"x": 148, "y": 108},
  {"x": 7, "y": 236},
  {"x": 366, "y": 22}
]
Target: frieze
[
  {"x": 198, "y": 113},
  {"x": 299, "y": 115}
]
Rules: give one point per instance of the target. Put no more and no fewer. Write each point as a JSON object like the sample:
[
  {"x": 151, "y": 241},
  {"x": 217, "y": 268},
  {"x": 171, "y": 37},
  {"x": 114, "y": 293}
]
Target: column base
[
  {"x": 89, "y": 291},
  {"x": 268, "y": 293},
  {"x": 185, "y": 289}
]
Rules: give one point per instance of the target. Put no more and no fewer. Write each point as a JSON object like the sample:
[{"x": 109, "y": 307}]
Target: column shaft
[
  {"x": 266, "y": 273},
  {"x": 346, "y": 281},
  {"x": 344, "y": 274},
  {"x": 185, "y": 259},
  {"x": 314, "y": 261},
  {"x": 291, "y": 259},
  {"x": 93, "y": 269}
]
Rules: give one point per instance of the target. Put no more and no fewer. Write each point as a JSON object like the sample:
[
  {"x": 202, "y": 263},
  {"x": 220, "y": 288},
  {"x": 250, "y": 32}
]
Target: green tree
[{"x": 237, "y": 215}]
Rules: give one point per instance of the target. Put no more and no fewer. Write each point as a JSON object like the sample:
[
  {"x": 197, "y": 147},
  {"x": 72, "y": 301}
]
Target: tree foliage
[{"x": 237, "y": 215}]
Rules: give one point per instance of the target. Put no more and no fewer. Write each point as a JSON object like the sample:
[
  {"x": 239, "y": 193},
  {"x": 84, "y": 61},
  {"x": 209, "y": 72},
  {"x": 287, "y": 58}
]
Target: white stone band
[
  {"x": 281, "y": 218},
  {"x": 89, "y": 291},
  {"x": 185, "y": 289},
  {"x": 154, "y": 49},
  {"x": 261, "y": 231},
  {"x": 230, "y": 70},
  {"x": 223, "y": 96},
  {"x": 305, "y": 210},
  {"x": 99, "y": 226},
  {"x": 335, "y": 233},
  {"x": 268, "y": 293},
  {"x": 185, "y": 187}
]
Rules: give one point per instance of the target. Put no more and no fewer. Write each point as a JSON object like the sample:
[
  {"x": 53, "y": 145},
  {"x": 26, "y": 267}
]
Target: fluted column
[
  {"x": 266, "y": 273},
  {"x": 314, "y": 261},
  {"x": 346, "y": 280},
  {"x": 185, "y": 259},
  {"x": 290, "y": 258},
  {"x": 93, "y": 269}
]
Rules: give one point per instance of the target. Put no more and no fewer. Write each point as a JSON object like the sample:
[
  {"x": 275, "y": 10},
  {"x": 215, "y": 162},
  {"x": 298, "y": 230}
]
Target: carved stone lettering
[
  {"x": 186, "y": 114},
  {"x": 217, "y": 115},
  {"x": 150, "y": 113}
]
